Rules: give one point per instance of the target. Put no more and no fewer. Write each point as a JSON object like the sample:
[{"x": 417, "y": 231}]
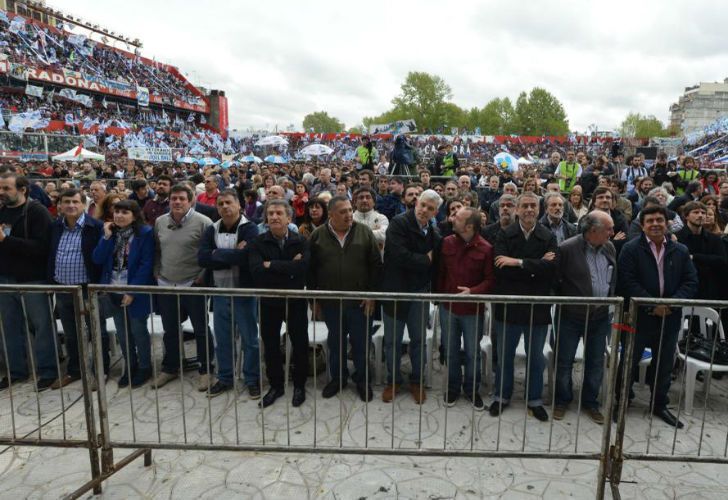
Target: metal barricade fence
[
  {"x": 685, "y": 343},
  {"x": 30, "y": 414},
  {"x": 181, "y": 416}
]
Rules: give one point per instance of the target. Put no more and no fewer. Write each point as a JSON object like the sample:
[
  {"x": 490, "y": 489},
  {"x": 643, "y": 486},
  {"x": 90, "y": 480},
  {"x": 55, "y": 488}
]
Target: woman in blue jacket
[{"x": 126, "y": 255}]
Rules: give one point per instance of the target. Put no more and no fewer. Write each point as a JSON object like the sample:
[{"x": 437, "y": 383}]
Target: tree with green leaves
[
  {"x": 321, "y": 123},
  {"x": 643, "y": 126},
  {"x": 540, "y": 113}
]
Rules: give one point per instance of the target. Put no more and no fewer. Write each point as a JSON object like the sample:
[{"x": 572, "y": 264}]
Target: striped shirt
[
  {"x": 600, "y": 270},
  {"x": 70, "y": 266}
]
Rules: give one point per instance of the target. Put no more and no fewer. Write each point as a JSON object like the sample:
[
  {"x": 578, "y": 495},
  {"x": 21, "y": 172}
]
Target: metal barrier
[
  {"x": 31, "y": 350},
  {"x": 179, "y": 417},
  {"x": 687, "y": 320}
]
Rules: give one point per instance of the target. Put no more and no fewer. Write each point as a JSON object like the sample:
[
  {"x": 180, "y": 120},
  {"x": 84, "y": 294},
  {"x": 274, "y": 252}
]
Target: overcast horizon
[{"x": 278, "y": 64}]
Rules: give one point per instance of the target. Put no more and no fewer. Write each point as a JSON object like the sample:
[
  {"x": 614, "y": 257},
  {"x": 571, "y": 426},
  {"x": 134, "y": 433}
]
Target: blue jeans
[
  {"x": 246, "y": 324},
  {"x": 351, "y": 324},
  {"x": 416, "y": 321},
  {"x": 567, "y": 341},
  {"x": 507, "y": 345},
  {"x": 38, "y": 314},
  {"x": 455, "y": 327},
  {"x": 138, "y": 352},
  {"x": 194, "y": 307}
]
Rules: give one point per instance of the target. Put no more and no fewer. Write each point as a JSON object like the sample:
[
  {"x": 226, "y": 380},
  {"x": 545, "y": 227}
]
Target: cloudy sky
[{"x": 279, "y": 60}]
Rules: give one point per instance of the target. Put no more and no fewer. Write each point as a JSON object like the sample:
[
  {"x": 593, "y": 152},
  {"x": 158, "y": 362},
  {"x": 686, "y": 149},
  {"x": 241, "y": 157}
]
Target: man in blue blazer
[
  {"x": 74, "y": 235},
  {"x": 652, "y": 265}
]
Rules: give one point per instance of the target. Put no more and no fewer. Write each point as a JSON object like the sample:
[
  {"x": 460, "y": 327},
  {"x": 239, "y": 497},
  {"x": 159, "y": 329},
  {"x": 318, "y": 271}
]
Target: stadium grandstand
[{"x": 61, "y": 76}]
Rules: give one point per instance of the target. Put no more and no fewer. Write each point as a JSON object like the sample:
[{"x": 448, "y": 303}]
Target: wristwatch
[{"x": 520, "y": 263}]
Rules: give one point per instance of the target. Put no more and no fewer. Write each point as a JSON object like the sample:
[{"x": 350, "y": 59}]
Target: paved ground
[{"x": 346, "y": 421}]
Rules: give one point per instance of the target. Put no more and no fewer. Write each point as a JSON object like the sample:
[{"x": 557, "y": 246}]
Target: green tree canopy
[
  {"x": 643, "y": 126},
  {"x": 322, "y": 123},
  {"x": 540, "y": 113},
  {"x": 426, "y": 99}
]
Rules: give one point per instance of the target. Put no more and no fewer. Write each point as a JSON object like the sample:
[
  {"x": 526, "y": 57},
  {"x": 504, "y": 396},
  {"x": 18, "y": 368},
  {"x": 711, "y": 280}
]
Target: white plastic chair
[{"x": 693, "y": 365}]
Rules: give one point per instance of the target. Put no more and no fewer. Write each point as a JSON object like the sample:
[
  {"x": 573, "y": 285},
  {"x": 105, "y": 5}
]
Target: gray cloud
[{"x": 277, "y": 62}]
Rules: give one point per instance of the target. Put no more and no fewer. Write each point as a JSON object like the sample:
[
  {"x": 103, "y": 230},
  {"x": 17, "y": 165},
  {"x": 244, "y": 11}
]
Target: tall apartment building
[{"x": 699, "y": 106}]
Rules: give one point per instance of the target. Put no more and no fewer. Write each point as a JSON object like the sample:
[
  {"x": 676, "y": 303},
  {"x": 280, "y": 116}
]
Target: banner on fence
[
  {"x": 398, "y": 127},
  {"x": 150, "y": 154}
]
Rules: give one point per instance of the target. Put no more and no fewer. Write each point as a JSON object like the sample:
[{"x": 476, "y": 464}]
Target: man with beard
[
  {"x": 554, "y": 218},
  {"x": 411, "y": 192},
  {"x": 160, "y": 204},
  {"x": 24, "y": 245}
]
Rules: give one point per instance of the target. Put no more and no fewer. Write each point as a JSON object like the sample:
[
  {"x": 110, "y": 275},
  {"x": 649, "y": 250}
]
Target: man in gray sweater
[{"x": 178, "y": 234}]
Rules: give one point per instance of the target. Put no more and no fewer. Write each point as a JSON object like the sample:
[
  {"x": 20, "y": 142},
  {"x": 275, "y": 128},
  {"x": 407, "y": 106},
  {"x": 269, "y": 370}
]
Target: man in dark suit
[
  {"x": 587, "y": 268},
  {"x": 525, "y": 265},
  {"x": 412, "y": 243},
  {"x": 655, "y": 266}
]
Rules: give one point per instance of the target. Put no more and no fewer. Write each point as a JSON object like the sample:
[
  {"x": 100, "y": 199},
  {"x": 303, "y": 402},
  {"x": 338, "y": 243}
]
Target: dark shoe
[
  {"x": 44, "y": 384},
  {"x": 299, "y": 396},
  {"x": 64, "y": 381},
  {"x": 218, "y": 389},
  {"x": 497, "y": 408},
  {"x": 559, "y": 412},
  {"x": 270, "y": 397},
  {"x": 667, "y": 417},
  {"x": 140, "y": 378},
  {"x": 254, "y": 391},
  {"x": 539, "y": 412},
  {"x": 594, "y": 414},
  {"x": 123, "y": 381},
  {"x": 476, "y": 401},
  {"x": 451, "y": 398},
  {"x": 365, "y": 392},
  {"x": 332, "y": 388}
]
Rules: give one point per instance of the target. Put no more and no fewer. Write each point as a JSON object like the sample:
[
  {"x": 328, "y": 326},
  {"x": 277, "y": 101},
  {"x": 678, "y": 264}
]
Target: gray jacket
[{"x": 574, "y": 277}]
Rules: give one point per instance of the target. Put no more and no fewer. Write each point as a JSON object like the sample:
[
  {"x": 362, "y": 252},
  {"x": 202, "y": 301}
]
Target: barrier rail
[
  {"x": 688, "y": 319},
  {"x": 30, "y": 308},
  {"x": 179, "y": 417}
]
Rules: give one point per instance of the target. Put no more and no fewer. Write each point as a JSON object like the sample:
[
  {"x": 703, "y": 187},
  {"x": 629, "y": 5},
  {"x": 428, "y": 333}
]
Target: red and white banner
[{"x": 77, "y": 80}]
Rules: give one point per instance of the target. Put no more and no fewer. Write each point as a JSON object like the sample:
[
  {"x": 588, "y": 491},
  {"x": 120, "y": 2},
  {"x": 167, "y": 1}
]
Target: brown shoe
[
  {"x": 418, "y": 393},
  {"x": 595, "y": 415},
  {"x": 64, "y": 381},
  {"x": 559, "y": 412},
  {"x": 390, "y": 392}
]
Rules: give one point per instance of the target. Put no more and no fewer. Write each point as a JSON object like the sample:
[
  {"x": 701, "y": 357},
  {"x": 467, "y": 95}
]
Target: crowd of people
[
  {"x": 37, "y": 45},
  {"x": 580, "y": 225}
]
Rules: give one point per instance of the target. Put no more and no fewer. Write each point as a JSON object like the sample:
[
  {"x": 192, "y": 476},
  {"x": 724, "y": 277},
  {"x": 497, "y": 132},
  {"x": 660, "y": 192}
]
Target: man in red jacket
[{"x": 466, "y": 267}]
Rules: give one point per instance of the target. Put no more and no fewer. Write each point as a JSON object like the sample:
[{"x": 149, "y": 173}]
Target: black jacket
[
  {"x": 535, "y": 278},
  {"x": 23, "y": 254},
  {"x": 284, "y": 273},
  {"x": 213, "y": 258},
  {"x": 407, "y": 268},
  {"x": 639, "y": 276},
  {"x": 91, "y": 233},
  {"x": 709, "y": 258}
]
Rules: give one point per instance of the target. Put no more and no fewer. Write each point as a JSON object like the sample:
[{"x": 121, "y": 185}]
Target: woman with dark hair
[
  {"x": 299, "y": 201},
  {"x": 105, "y": 210},
  {"x": 126, "y": 256},
  {"x": 316, "y": 215}
]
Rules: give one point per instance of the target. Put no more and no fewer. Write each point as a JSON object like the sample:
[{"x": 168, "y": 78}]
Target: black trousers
[{"x": 272, "y": 316}]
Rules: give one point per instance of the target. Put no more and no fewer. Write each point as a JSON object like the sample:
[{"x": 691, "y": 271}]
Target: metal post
[{"x": 107, "y": 454}]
